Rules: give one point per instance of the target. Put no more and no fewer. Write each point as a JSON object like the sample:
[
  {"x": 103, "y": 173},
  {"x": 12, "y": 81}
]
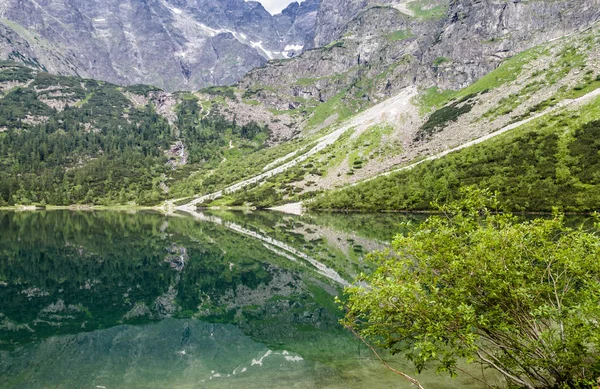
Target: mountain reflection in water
[{"x": 221, "y": 299}]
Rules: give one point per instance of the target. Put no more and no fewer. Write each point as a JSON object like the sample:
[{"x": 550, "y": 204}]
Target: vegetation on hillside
[
  {"x": 519, "y": 298},
  {"x": 100, "y": 148},
  {"x": 550, "y": 162},
  {"x": 66, "y": 140}
]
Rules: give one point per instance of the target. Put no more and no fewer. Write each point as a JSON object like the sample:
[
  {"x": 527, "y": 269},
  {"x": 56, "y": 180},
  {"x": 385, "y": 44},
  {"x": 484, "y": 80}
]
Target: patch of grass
[
  {"x": 442, "y": 117},
  {"x": 333, "y": 45},
  {"x": 434, "y": 98},
  {"x": 428, "y": 9},
  {"x": 255, "y": 90},
  {"x": 333, "y": 106},
  {"x": 508, "y": 104},
  {"x": 399, "y": 35},
  {"x": 440, "y": 60},
  {"x": 507, "y": 72},
  {"x": 587, "y": 85},
  {"x": 306, "y": 81},
  {"x": 224, "y": 91},
  {"x": 366, "y": 145},
  {"x": 251, "y": 102},
  {"x": 570, "y": 58}
]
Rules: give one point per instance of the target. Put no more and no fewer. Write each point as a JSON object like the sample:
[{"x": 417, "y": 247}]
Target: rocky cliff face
[
  {"x": 367, "y": 53},
  {"x": 478, "y": 35},
  {"x": 45, "y": 56},
  {"x": 334, "y": 15},
  {"x": 361, "y": 50},
  {"x": 174, "y": 44},
  {"x": 377, "y": 49},
  {"x": 299, "y": 20}
]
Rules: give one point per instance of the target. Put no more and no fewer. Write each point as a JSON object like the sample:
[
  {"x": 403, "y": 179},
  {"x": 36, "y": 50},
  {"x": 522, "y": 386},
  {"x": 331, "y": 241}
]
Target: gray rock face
[
  {"x": 478, "y": 35},
  {"x": 333, "y": 16},
  {"x": 15, "y": 47},
  {"x": 174, "y": 44},
  {"x": 377, "y": 53},
  {"x": 299, "y": 20},
  {"x": 380, "y": 49},
  {"x": 189, "y": 44}
]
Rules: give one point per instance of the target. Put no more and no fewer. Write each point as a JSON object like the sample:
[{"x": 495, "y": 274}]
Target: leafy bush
[
  {"x": 225, "y": 91},
  {"x": 519, "y": 298},
  {"x": 11, "y": 71}
]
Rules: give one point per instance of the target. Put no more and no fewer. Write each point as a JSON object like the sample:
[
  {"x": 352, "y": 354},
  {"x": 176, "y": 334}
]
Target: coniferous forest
[{"x": 99, "y": 148}]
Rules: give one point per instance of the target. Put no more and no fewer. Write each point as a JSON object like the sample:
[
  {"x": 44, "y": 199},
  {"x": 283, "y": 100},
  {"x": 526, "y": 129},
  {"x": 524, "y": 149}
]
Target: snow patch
[
  {"x": 292, "y": 50},
  {"x": 269, "y": 54},
  {"x": 293, "y": 47},
  {"x": 259, "y": 45}
]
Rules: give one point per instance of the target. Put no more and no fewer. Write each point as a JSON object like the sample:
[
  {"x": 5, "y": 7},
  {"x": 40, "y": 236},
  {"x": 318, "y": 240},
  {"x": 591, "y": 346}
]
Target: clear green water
[{"x": 220, "y": 300}]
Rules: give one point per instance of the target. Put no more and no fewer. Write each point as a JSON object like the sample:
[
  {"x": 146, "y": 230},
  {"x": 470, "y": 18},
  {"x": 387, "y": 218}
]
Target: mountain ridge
[{"x": 174, "y": 44}]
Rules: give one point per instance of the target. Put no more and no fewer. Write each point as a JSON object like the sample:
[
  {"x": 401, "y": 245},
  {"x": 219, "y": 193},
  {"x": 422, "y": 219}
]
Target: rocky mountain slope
[
  {"x": 548, "y": 83},
  {"x": 174, "y": 44},
  {"x": 400, "y": 81},
  {"x": 376, "y": 50}
]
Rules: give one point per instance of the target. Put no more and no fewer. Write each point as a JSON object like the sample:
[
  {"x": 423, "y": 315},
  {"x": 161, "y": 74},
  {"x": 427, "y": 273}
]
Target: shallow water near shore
[{"x": 222, "y": 299}]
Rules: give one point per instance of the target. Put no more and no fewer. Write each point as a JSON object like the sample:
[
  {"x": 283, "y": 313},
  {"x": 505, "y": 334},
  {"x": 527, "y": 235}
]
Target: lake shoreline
[
  {"x": 284, "y": 208},
  {"x": 432, "y": 212},
  {"x": 31, "y": 208}
]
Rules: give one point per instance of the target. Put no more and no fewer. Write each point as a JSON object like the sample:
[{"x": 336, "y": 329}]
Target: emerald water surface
[{"x": 223, "y": 300}]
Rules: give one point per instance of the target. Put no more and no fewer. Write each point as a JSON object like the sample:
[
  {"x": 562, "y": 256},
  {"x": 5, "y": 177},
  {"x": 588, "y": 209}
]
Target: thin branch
[
  {"x": 504, "y": 372},
  {"x": 475, "y": 378},
  {"x": 403, "y": 375}
]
